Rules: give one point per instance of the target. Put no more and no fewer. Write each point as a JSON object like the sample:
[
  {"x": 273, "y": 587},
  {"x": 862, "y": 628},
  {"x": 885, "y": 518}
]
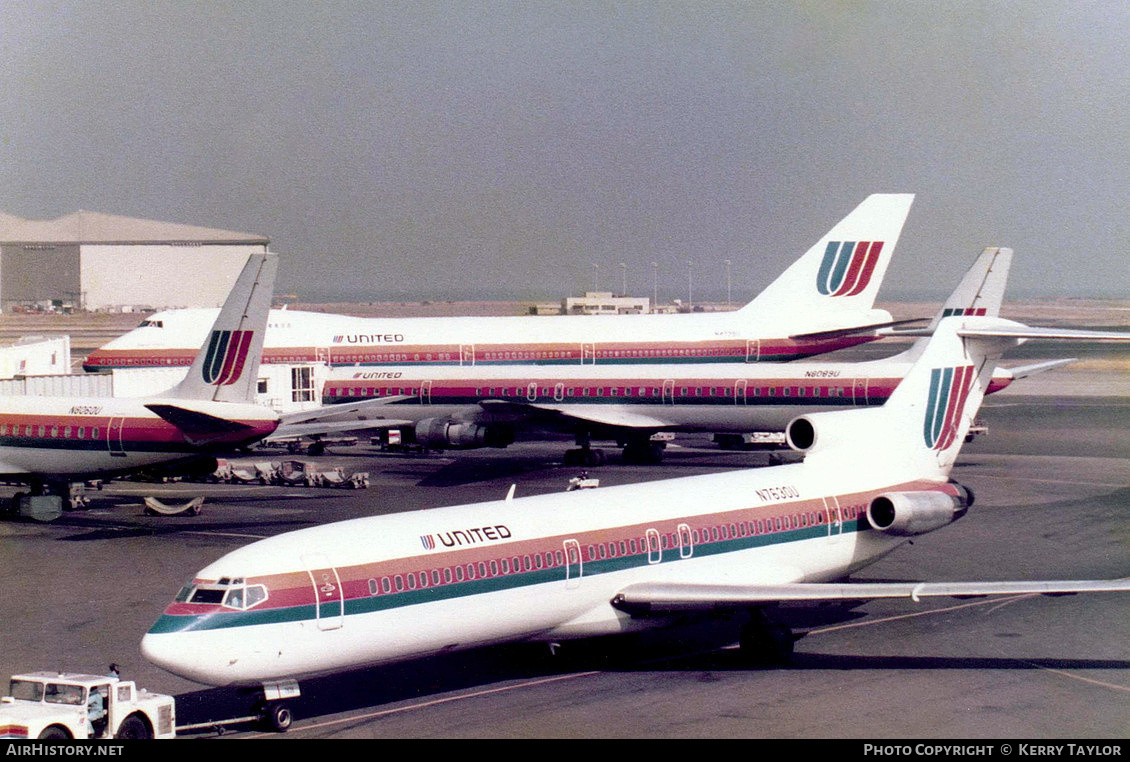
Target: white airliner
[
  {"x": 489, "y": 406},
  {"x": 48, "y": 442},
  {"x": 614, "y": 560},
  {"x": 822, "y": 302}
]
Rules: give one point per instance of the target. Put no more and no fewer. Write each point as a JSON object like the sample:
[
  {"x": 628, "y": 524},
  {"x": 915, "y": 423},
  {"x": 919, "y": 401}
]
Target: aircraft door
[
  {"x": 559, "y": 392},
  {"x": 835, "y": 518},
  {"x": 573, "y": 565},
  {"x": 588, "y": 353},
  {"x": 859, "y": 391},
  {"x": 466, "y": 354},
  {"x": 114, "y": 436},
  {"x": 654, "y": 548},
  {"x": 669, "y": 392},
  {"x": 532, "y": 391},
  {"x": 328, "y": 604},
  {"x": 753, "y": 350},
  {"x": 686, "y": 541},
  {"x": 322, "y": 355},
  {"x": 739, "y": 391},
  {"x": 425, "y": 392}
]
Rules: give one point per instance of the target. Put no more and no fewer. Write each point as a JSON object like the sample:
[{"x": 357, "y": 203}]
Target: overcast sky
[{"x": 467, "y": 149}]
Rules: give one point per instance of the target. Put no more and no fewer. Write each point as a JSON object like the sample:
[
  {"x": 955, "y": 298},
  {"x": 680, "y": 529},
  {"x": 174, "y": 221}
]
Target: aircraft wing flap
[
  {"x": 604, "y": 415},
  {"x": 315, "y": 429},
  {"x": 661, "y": 597},
  {"x": 346, "y": 408}
]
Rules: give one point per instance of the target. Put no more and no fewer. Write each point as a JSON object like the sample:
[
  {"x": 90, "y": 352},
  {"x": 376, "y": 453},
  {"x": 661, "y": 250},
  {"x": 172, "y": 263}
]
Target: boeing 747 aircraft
[{"x": 823, "y": 302}]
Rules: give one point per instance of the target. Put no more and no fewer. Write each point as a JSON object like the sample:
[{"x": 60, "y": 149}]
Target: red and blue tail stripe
[
  {"x": 847, "y": 267},
  {"x": 227, "y": 353},
  {"x": 949, "y": 389}
]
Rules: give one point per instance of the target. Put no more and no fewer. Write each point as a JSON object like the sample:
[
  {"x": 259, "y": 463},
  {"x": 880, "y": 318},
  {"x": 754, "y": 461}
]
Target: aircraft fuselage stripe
[{"x": 291, "y": 595}]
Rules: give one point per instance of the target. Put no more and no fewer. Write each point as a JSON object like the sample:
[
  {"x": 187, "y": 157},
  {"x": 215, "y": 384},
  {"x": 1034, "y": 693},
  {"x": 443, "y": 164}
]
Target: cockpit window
[
  {"x": 152, "y": 324},
  {"x": 229, "y": 593},
  {"x": 207, "y": 595}
]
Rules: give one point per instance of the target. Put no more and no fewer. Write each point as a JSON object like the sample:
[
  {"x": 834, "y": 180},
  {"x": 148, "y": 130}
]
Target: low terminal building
[{"x": 605, "y": 303}]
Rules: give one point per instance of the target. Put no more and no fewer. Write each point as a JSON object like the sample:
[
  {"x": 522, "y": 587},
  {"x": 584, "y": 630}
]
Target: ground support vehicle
[{"x": 53, "y": 705}]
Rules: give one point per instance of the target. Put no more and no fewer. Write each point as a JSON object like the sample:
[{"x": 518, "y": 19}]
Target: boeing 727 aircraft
[
  {"x": 605, "y": 561},
  {"x": 823, "y": 302},
  {"x": 48, "y": 442},
  {"x": 464, "y": 408}
]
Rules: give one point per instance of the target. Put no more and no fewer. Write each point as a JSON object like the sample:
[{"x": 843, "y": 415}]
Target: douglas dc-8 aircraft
[
  {"x": 48, "y": 442},
  {"x": 468, "y": 407},
  {"x": 605, "y": 561},
  {"x": 823, "y": 302}
]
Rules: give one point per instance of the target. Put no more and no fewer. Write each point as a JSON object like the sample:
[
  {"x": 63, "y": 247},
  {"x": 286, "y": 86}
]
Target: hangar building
[{"x": 97, "y": 261}]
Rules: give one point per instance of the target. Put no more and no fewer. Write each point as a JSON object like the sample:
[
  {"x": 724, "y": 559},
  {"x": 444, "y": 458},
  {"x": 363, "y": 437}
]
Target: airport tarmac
[{"x": 1052, "y": 484}]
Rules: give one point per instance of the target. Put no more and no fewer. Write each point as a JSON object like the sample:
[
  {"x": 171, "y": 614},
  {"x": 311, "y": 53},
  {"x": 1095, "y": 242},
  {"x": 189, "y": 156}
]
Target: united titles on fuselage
[{"x": 369, "y": 338}]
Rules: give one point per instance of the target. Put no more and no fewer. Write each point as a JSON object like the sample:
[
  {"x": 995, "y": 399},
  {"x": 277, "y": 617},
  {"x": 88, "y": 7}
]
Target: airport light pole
[
  {"x": 690, "y": 285},
  {"x": 595, "y": 277},
  {"x": 623, "y": 279},
  {"x": 654, "y": 285},
  {"x": 727, "y": 284}
]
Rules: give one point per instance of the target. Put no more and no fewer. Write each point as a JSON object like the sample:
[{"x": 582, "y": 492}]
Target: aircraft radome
[{"x": 611, "y": 560}]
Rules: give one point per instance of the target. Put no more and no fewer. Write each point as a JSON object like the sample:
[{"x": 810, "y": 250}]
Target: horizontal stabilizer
[
  {"x": 196, "y": 425},
  {"x": 1023, "y": 371},
  {"x": 660, "y": 597},
  {"x": 1021, "y": 331}
]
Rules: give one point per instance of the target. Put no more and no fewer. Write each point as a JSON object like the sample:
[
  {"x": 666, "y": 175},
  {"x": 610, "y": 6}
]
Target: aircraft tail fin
[
  {"x": 979, "y": 294},
  {"x": 226, "y": 368},
  {"x": 925, "y": 421},
  {"x": 843, "y": 271}
]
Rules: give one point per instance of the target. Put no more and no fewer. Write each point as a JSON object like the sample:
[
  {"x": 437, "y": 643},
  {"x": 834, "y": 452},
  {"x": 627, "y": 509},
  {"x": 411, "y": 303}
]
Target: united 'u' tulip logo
[
  {"x": 227, "y": 352},
  {"x": 949, "y": 389},
  {"x": 847, "y": 267}
]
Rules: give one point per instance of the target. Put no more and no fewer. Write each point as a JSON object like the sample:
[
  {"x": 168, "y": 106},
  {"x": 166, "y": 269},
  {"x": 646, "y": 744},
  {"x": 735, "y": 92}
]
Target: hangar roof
[{"x": 95, "y": 227}]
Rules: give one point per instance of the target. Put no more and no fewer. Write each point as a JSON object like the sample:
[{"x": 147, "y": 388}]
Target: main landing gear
[
  {"x": 584, "y": 455},
  {"x": 765, "y": 642},
  {"x": 642, "y": 452}
]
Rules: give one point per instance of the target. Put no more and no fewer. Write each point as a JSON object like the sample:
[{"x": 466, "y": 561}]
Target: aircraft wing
[
  {"x": 646, "y": 598},
  {"x": 604, "y": 415},
  {"x": 316, "y": 429},
  {"x": 331, "y": 412},
  {"x": 866, "y": 330},
  {"x": 366, "y": 415}
]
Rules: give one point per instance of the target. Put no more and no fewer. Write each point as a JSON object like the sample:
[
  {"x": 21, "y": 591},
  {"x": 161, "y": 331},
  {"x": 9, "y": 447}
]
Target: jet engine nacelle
[
  {"x": 441, "y": 433},
  {"x": 904, "y": 514},
  {"x": 827, "y": 429}
]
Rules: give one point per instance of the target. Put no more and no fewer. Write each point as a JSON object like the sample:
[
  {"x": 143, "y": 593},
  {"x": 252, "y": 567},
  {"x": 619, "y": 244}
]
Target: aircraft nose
[
  {"x": 156, "y": 649},
  {"x": 166, "y": 652}
]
